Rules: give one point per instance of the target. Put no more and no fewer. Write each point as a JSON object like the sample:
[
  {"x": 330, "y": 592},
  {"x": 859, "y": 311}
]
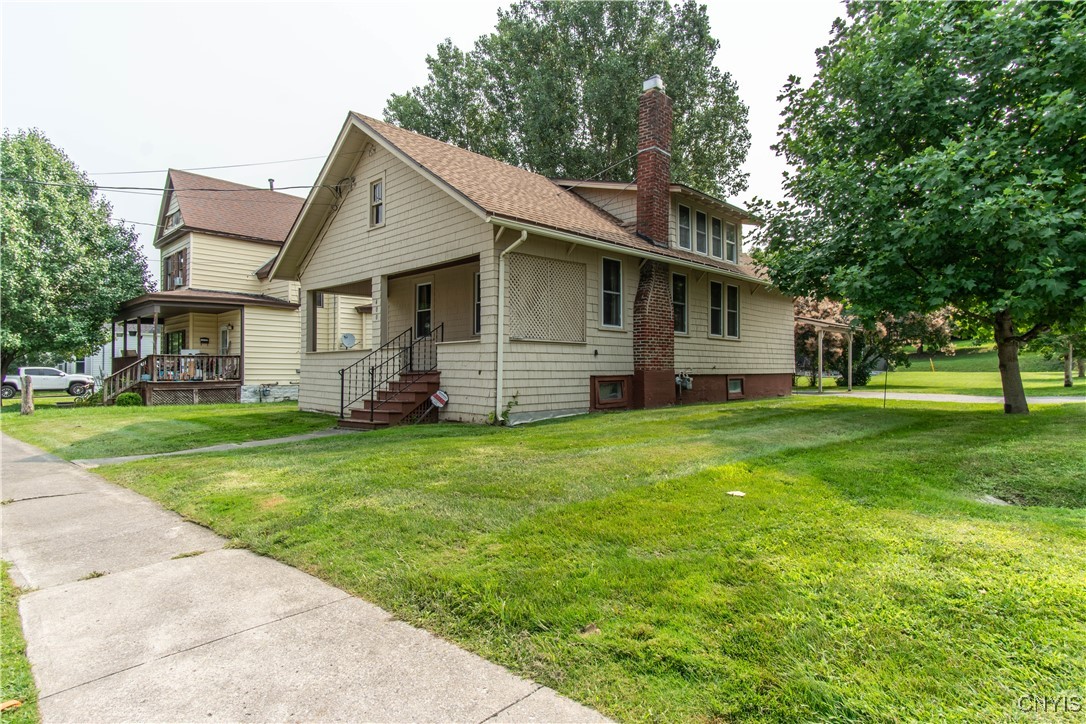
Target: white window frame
[
  {"x": 377, "y": 207},
  {"x": 679, "y": 223},
  {"x": 685, "y": 303},
  {"x": 731, "y": 246},
  {"x": 722, "y": 309},
  {"x": 477, "y": 307},
  {"x": 728, "y": 312},
  {"x": 604, "y": 292},
  {"x": 716, "y": 240},
  {"x": 701, "y": 232}
]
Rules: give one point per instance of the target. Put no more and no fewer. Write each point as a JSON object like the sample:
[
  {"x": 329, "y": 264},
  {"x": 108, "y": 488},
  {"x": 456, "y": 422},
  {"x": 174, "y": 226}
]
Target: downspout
[{"x": 500, "y": 383}]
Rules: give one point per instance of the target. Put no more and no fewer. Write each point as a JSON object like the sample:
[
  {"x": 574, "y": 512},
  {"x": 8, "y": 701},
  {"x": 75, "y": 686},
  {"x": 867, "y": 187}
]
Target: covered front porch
[{"x": 194, "y": 355}]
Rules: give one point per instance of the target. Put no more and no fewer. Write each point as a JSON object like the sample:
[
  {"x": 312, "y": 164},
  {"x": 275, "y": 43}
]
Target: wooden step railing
[{"x": 172, "y": 368}]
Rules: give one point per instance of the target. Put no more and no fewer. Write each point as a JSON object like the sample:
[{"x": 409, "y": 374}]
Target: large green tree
[
  {"x": 554, "y": 89},
  {"x": 64, "y": 264},
  {"x": 939, "y": 156}
]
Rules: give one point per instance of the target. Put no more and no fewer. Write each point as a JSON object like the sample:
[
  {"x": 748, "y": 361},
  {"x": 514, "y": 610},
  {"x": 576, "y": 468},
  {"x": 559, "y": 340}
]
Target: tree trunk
[
  {"x": 27, "y": 406},
  {"x": 1068, "y": 364},
  {"x": 1081, "y": 362},
  {"x": 1014, "y": 394}
]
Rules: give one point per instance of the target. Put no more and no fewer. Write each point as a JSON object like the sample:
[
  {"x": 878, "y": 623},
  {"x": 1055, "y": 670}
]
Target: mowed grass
[
  {"x": 971, "y": 371},
  {"x": 858, "y": 579},
  {"x": 95, "y": 432},
  {"x": 16, "y": 681}
]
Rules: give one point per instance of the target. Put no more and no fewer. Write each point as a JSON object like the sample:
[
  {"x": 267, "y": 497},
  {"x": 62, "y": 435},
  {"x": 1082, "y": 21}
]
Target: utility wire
[{"x": 203, "y": 168}]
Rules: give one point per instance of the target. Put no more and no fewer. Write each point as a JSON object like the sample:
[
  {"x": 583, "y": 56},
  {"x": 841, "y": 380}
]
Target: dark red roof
[{"x": 224, "y": 207}]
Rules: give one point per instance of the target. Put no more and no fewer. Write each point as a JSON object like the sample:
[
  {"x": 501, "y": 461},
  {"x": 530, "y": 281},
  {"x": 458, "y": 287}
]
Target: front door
[{"x": 424, "y": 312}]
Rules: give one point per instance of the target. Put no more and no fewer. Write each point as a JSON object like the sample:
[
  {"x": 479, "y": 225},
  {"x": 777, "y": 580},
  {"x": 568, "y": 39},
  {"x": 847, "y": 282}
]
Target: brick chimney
[{"x": 653, "y": 321}]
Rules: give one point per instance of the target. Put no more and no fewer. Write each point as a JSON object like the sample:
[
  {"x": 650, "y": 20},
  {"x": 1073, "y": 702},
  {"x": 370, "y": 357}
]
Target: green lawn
[
  {"x": 971, "y": 371},
  {"x": 858, "y": 579},
  {"x": 93, "y": 432},
  {"x": 16, "y": 681}
]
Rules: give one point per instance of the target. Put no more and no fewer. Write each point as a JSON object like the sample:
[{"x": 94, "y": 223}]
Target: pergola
[{"x": 821, "y": 325}]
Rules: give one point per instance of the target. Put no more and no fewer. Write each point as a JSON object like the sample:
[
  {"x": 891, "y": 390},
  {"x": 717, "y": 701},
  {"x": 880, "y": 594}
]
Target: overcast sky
[{"x": 146, "y": 86}]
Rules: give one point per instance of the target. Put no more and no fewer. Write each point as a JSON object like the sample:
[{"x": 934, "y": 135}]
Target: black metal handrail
[{"x": 403, "y": 355}]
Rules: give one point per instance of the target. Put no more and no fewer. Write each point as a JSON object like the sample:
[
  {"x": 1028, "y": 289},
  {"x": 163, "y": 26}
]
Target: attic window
[
  {"x": 733, "y": 244},
  {"x": 173, "y": 220},
  {"x": 377, "y": 202}
]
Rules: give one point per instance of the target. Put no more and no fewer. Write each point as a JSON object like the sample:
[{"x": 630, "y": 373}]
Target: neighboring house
[
  {"x": 100, "y": 363},
  {"x": 228, "y": 332},
  {"x": 523, "y": 295}
]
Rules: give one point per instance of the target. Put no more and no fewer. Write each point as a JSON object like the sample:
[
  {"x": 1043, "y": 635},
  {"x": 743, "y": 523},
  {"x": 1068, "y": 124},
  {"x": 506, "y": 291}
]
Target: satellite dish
[{"x": 347, "y": 340}]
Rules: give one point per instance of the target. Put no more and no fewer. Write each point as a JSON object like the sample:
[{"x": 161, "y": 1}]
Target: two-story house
[
  {"x": 525, "y": 296},
  {"x": 227, "y": 330}
]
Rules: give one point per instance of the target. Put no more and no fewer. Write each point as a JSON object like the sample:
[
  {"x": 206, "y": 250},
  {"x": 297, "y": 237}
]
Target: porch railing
[
  {"x": 402, "y": 356},
  {"x": 172, "y": 368}
]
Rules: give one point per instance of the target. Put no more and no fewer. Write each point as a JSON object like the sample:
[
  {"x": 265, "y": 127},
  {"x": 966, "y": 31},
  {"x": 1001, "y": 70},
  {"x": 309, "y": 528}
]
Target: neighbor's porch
[{"x": 194, "y": 353}]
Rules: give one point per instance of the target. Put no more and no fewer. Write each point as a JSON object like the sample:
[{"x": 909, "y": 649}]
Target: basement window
[
  {"x": 735, "y": 387},
  {"x": 609, "y": 393}
]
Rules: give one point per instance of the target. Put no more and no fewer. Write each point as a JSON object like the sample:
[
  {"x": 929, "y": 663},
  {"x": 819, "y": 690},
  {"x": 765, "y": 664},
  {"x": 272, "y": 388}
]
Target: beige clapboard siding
[
  {"x": 765, "y": 344},
  {"x": 319, "y": 387},
  {"x": 227, "y": 264},
  {"x": 340, "y": 316},
  {"x": 453, "y": 301},
  {"x": 467, "y": 374},
  {"x": 280, "y": 289},
  {"x": 548, "y": 376},
  {"x": 271, "y": 346},
  {"x": 423, "y": 226},
  {"x": 620, "y": 204}
]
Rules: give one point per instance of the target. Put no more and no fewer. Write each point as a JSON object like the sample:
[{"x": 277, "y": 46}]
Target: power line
[
  {"x": 150, "y": 191},
  {"x": 203, "y": 168}
]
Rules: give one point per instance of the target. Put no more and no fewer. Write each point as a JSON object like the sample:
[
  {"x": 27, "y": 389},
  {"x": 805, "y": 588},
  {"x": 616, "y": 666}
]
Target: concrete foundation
[{"x": 271, "y": 393}]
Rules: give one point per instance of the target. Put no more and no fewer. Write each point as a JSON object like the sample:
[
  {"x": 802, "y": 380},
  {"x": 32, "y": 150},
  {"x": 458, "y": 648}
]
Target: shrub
[
  {"x": 128, "y": 399},
  {"x": 89, "y": 400}
]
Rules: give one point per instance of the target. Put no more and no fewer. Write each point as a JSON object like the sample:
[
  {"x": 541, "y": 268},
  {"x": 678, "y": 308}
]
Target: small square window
[
  {"x": 610, "y": 393},
  {"x": 735, "y": 386}
]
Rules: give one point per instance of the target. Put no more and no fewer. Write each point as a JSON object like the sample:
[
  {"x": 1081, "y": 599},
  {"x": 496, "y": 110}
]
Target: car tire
[
  {"x": 8, "y": 392},
  {"x": 76, "y": 389}
]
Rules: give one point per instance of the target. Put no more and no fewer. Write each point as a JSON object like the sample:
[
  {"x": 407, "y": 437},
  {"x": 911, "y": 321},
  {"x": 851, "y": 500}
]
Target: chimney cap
[{"x": 654, "y": 82}]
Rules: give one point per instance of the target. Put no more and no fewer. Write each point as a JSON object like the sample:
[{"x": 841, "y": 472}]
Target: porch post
[
  {"x": 820, "y": 333},
  {"x": 125, "y": 338},
  {"x": 139, "y": 337},
  {"x": 112, "y": 343},
  {"x": 154, "y": 334},
  {"x": 379, "y": 296},
  {"x": 850, "y": 361}
]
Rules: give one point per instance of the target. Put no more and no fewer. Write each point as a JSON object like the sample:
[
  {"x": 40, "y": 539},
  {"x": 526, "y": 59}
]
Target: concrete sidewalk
[{"x": 225, "y": 635}]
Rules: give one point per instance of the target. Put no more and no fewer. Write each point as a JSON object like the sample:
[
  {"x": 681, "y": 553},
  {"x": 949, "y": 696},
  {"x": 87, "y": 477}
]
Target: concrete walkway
[
  {"x": 124, "y": 626},
  {"x": 936, "y": 397},
  {"x": 95, "y": 462}
]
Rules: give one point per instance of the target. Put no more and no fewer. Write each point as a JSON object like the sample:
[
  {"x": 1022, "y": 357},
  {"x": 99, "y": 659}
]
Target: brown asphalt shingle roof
[
  {"x": 224, "y": 207},
  {"x": 500, "y": 189}
]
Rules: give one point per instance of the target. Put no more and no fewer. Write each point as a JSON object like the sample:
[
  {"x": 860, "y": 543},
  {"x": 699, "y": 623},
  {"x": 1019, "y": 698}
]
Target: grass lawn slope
[
  {"x": 16, "y": 681},
  {"x": 858, "y": 579},
  {"x": 92, "y": 432}
]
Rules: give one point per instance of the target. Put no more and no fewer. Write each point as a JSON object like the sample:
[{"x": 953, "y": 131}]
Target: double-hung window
[
  {"x": 678, "y": 302},
  {"x": 377, "y": 202},
  {"x": 733, "y": 312},
  {"x": 684, "y": 226},
  {"x": 175, "y": 270},
  {"x": 716, "y": 309},
  {"x": 733, "y": 244},
  {"x": 701, "y": 231},
  {"x": 717, "y": 248},
  {"x": 611, "y": 301}
]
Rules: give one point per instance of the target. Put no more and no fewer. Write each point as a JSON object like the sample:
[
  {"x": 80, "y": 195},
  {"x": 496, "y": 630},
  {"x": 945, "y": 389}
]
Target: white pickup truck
[{"x": 47, "y": 378}]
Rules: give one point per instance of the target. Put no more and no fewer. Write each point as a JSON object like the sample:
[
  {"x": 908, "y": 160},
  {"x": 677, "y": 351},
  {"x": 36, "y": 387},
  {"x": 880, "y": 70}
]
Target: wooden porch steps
[{"x": 397, "y": 400}]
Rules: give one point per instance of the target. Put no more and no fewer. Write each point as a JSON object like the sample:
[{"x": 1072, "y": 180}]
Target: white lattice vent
[{"x": 546, "y": 299}]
